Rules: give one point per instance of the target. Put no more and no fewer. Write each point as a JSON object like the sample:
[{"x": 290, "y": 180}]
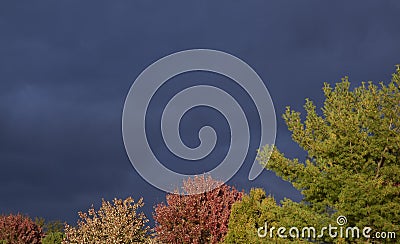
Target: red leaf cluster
[
  {"x": 196, "y": 218},
  {"x": 19, "y": 229}
]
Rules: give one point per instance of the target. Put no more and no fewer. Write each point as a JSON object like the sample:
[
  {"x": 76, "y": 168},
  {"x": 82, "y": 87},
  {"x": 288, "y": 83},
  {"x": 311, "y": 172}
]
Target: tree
[
  {"x": 196, "y": 218},
  {"x": 53, "y": 230},
  {"x": 53, "y": 238},
  {"x": 257, "y": 214},
  {"x": 116, "y": 222},
  {"x": 353, "y": 164},
  {"x": 19, "y": 229},
  {"x": 248, "y": 215}
]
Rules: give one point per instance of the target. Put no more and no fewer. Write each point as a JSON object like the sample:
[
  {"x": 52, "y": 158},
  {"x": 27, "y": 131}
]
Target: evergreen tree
[{"x": 352, "y": 167}]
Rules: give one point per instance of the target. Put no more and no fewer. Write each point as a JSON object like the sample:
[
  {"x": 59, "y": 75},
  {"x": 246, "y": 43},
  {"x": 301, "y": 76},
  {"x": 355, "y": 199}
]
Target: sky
[{"x": 66, "y": 68}]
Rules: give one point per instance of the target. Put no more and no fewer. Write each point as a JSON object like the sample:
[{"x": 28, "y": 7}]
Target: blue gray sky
[{"x": 67, "y": 66}]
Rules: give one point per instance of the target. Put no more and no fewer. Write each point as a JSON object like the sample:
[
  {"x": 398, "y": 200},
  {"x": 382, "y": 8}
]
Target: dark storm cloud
[{"x": 66, "y": 67}]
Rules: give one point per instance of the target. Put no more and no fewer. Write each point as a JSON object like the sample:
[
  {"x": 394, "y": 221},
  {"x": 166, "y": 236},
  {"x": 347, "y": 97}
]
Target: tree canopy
[
  {"x": 352, "y": 167},
  {"x": 116, "y": 222},
  {"x": 196, "y": 218}
]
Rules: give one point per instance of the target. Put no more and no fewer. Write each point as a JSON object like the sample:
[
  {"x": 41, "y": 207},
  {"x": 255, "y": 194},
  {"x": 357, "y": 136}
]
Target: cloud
[{"x": 66, "y": 67}]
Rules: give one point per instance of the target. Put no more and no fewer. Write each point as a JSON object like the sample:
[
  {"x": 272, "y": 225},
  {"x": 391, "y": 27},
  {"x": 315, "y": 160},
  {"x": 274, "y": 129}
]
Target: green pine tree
[{"x": 352, "y": 167}]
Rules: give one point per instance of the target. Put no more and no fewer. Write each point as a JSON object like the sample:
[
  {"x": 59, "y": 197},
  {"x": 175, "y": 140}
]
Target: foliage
[
  {"x": 248, "y": 215},
  {"x": 19, "y": 229},
  {"x": 49, "y": 226},
  {"x": 196, "y": 218},
  {"x": 53, "y": 226},
  {"x": 53, "y": 230},
  {"x": 116, "y": 222},
  {"x": 353, "y": 163},
  {"x": 257, "y": 210},
  {"x": 53, "y": 238}
]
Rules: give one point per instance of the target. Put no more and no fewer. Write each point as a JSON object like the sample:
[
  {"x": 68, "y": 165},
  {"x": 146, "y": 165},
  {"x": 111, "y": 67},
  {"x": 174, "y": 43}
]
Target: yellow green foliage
[{"x": 352, "y": 166}]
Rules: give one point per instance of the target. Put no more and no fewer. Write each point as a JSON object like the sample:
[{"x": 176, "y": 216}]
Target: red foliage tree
[
  {"x": 19, "y": 229},
  {"x": 196, "y": 218}
]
